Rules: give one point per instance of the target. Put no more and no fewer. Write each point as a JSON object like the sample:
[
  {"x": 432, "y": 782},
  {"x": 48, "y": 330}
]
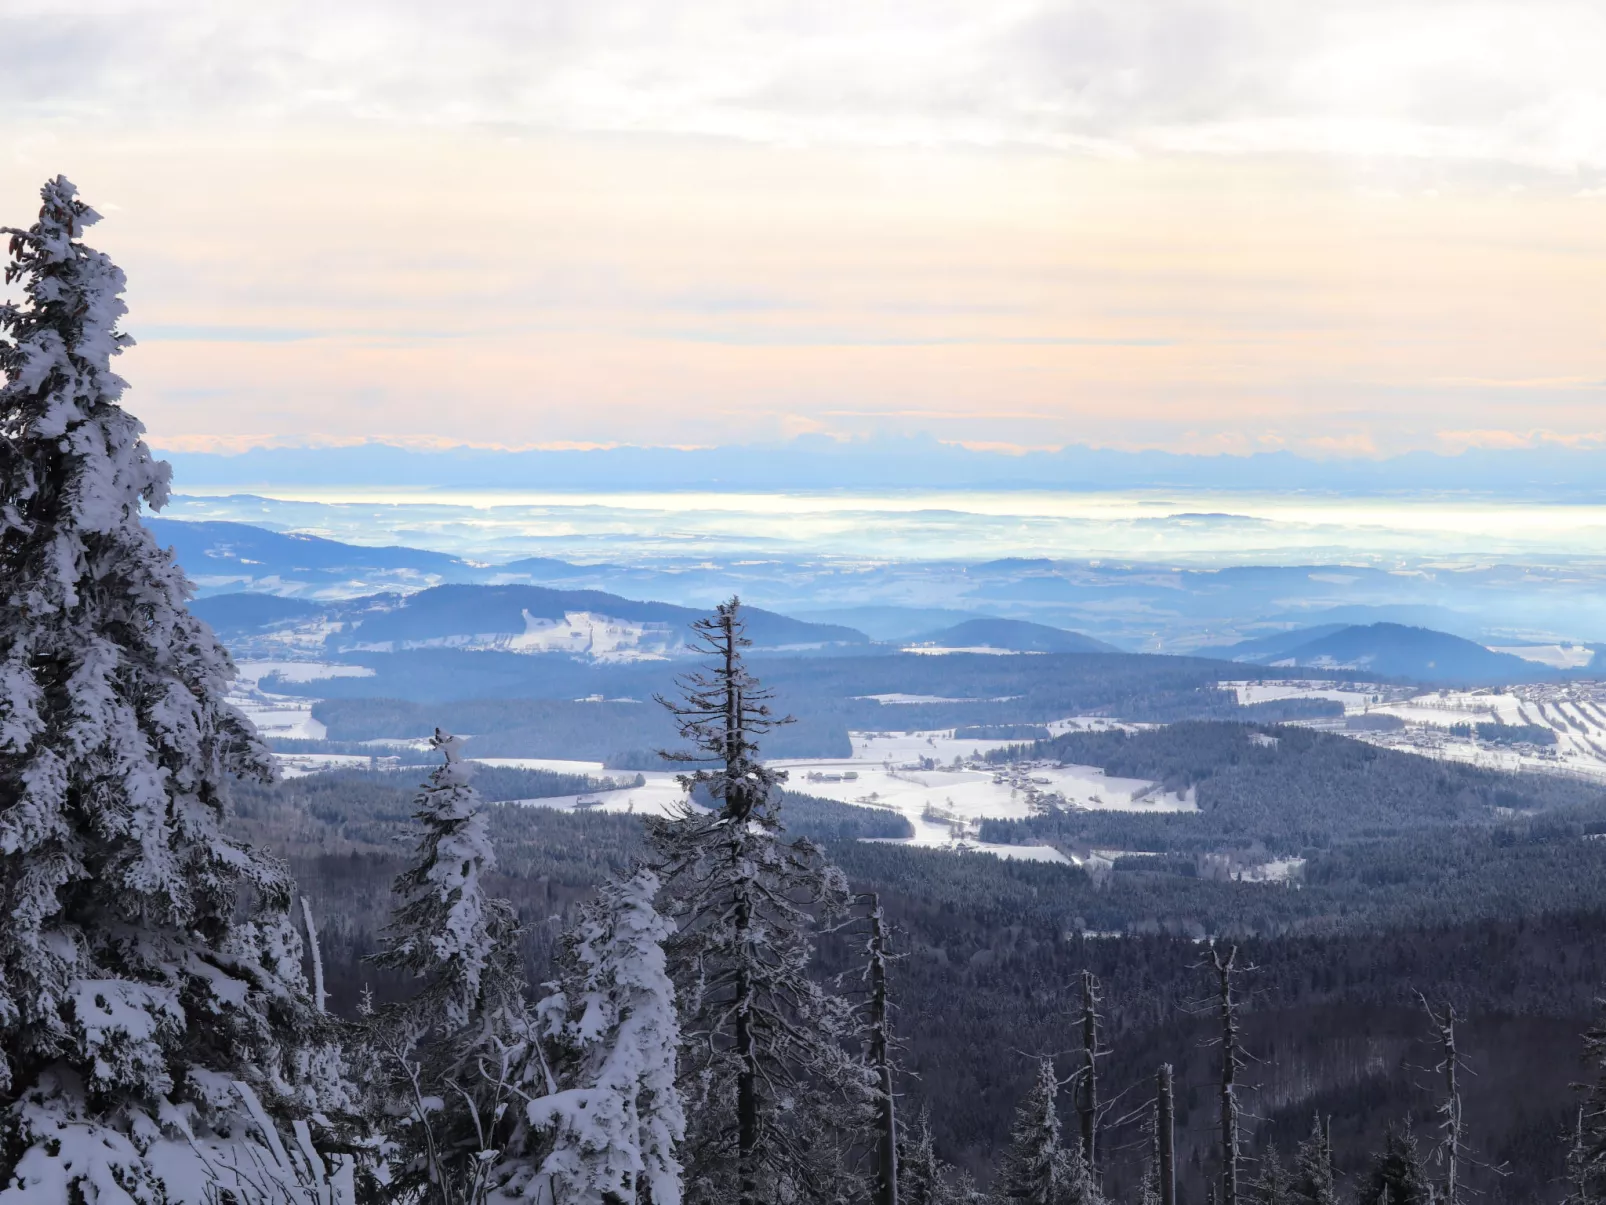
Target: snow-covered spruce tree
[
  {"x": 1037, "y": 1168},
  {"x": 461, "y": 1055},
  {"x": 923, "y": 1178},
  {"x": 1275, "y": 1184},
  {"x": 1397, "y": 1175},
  {"x": 765, "y": 1075},
  {"x": 1314, "y": 1181},
  {"x": 616, "y": 1121},
  {"x": 135, "y": 1003}
]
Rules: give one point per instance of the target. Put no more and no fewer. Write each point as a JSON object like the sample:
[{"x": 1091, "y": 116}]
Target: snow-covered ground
[
  {"x": 251, "y": 673},
  {"x": 933, "y": 650},
  {"x": 1557, "y": 656},
  {"x": 1350, "y": 694},
  {"x": 285, "y": 716},
  {"x": 1574, "y": 711},
  {"x": 299, "y": 765},
  {"x": 931, "y": 779},
  {"x": 659, "y": 795}
]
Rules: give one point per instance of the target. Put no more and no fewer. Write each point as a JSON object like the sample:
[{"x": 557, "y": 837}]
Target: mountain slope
[
  {"x": 1274, "y": 645},
  {"x": 1013, "y": 635},
  {"x": 1396, "y": 651},
  {"x": 520, "y": 619},
  {"x": 539, "y": 619},
  {"x": 222, "y": 557},
  {"x": 250, "y": 613}
]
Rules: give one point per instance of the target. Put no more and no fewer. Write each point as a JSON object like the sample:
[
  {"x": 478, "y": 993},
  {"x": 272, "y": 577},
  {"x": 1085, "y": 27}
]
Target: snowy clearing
[
  {"x": 916, "y": 699},
  {"x": 659, "y": 796},
  {"x": 1573, "y": 712},
  {"x": 1351, "y": 694},
  {"x": 1557, "y": 656},
  {"x": 299, "y": 765},
  {"x": 931, "y": 780},
  {"x": 931, "y": 650},
  {"x": 251, "y": 673}
]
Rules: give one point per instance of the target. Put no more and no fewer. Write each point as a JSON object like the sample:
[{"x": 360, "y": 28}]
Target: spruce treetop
[
  {"x": 445, "y": 929},
  {"x": 131, "y": 988}
]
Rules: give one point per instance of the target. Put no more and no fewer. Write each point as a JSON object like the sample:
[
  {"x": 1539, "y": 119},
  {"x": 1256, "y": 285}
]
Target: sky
[{"x": 1343, "y": 229}]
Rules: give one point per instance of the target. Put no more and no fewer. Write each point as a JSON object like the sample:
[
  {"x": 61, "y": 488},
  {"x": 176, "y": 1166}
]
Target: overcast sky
[{"x": 1344, "y": 228}]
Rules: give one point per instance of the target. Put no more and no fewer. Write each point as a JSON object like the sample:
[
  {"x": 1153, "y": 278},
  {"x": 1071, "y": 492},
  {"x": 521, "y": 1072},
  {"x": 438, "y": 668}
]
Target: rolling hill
[
  {"x": 1012, "y": 635},
  {"x": 588, "y": 624},
  {"x": 1392, "y": 650},
  {"x": 230, "y": 557}
]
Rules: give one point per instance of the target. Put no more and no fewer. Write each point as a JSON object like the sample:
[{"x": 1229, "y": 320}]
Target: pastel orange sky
[{"x": 1205, "y": 227}]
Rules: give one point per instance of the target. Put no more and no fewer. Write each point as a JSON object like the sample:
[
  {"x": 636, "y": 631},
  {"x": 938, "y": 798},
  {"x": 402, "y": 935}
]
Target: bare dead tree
[
  {"x": 886, "y": 1190},
  {"x": 1578, "y": 1165},
  {"x": 319, "y": 996},
  {"x": 1087, "y": 1106},
  {"x": 1232, "y": 1061},
  {"x": 1165, "y": 1134},
  {"x": 1451, "y": 1131}
]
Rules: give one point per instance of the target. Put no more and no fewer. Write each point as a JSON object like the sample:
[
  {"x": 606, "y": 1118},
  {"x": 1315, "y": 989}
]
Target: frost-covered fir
[
  {"x": 455, "y": 1063},
  {"x": 1397, "y": 1176},
  {"x": 923, "y": 1178},
  {"x": 445, "y": 931},
  {"x": 1274, "y": 1185},
  {"x": 617, "y": 1119},
  {"x": 1313, "y": 1167},
  {"x": 135, "y": 1006},
  {"x": 1037, "y": 1168},
  {"x": 764, "y": 1070}
]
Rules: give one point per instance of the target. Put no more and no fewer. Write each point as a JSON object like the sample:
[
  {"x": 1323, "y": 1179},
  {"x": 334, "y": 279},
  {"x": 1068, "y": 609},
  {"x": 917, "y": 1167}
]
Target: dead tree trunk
[
  {"x": 1231, "y": 1063},
  {"x": 1088, "y": 1105},
  {"x": 881, "y": 1059},
  {"x": 1165, "y": 1134},
  {"x": 747, "y": 1069},
  {"x": 1452, "y": 1143}
]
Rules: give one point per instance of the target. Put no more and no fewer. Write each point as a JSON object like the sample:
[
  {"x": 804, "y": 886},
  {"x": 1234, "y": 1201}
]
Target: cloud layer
[
  {"x": 1349, "y": 228},
  {"x": 1514, "y": 82}
]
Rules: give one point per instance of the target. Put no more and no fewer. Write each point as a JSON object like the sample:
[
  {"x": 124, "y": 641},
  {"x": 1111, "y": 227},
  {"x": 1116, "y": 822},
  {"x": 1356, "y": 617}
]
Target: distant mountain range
[
  {"x": 522, "y": 619},
  {"x": 1135, "y": 605},
  {"x": 813, "y": 462},
  {"x": 589, "y": 624},
  {"x": 1387, "y": 650},
  {"x": 225, "y": 557}
]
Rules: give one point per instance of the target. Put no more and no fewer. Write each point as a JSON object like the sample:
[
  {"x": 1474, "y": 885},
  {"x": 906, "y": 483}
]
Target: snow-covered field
[
  {"x": 1574, "y": 711},
  {"x": 933, "y": 650},
  {"x": 657, "y": 797},
  {"x": 931, "y": 779},
  {"x": 1352, "y": 695},
  {"x": 286, "y": 716},
  {"x": 299, "y": 765},
  {"x": 1557, "y": 656}
]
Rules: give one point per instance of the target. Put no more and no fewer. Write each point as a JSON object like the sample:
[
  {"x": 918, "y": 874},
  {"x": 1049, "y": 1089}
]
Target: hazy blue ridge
[
  {"x": 1014, "y": 635},
  {"x": 814, "y": 462}
]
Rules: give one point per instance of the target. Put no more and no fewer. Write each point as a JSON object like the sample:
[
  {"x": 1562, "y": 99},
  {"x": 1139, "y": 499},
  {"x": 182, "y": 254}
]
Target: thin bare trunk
[
  {"x": 319, "y": 996},
  {"x": 1165, "y": 1134},
  {"x": 1226, "y": 968},
  {"x": 1453, "y": 1141},
  {"x": 747, "y": 1066},
  {"x": 1088, "y": 1108},
  {"x": 881, "y": 1060}
]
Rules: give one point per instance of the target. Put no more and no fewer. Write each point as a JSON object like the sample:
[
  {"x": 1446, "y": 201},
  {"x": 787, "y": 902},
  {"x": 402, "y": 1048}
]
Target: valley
[{"x": 1030, "y": 801}]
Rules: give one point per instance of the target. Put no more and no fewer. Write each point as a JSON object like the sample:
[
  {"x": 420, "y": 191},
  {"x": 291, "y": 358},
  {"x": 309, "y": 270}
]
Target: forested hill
[{"x": 1287, "y": 788}]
